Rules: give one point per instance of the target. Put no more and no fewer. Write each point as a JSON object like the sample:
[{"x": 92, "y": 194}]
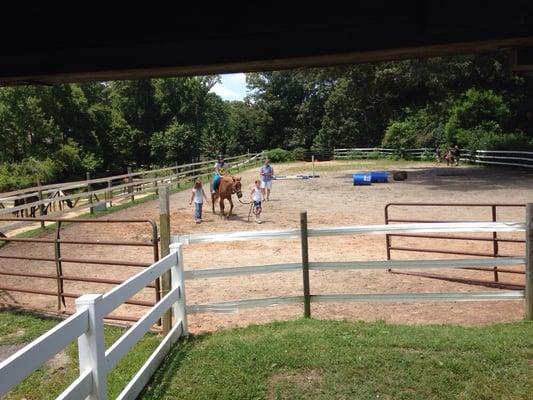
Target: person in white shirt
[
  {"x": 256, "y": 196},
  {"x": 198, "y": 195}
]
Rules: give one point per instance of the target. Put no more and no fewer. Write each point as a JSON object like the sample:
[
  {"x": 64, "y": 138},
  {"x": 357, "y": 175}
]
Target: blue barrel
[
  {"x": 379, "y": 176},
  {"x": 361, "y": 179}
]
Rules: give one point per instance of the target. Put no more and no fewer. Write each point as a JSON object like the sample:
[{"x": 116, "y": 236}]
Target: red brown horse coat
[{"x": 227, "y": 186}]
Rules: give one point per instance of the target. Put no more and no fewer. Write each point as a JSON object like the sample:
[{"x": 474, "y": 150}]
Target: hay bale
[{"x": 399, "y": 175}]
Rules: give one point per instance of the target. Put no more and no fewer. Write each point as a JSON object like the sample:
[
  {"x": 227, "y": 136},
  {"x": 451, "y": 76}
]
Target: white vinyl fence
[
  {"x": 499, "y": 157},
  {"x": 87, "y": 326},
  {"x": 232, "y": 306},
  {"x": 87, "y": 323}
]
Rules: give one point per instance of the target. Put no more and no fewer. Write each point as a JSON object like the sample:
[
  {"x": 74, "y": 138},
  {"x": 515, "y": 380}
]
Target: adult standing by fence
[{"x": 267, "y": 174}]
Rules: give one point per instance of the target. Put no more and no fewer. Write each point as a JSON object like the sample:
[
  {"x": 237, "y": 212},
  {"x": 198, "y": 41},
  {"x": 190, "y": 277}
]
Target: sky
[{"x": 232, "y": 87}]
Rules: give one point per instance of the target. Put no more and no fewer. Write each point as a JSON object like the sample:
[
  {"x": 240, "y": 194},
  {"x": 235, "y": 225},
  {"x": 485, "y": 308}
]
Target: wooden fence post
[
  {"x": 529, "y": 263},
  {"x": 130, "y": 187},
  {"x": 164, "y": 231},
  {"x": 305, "y": 263},
  {"x": 91, "y": 347},
  {"x": 89, "y": 189},
  {"x": 59, "y": 267},
  {"x": 41, "y": 206},
  {"x": 110, "y": 193}
]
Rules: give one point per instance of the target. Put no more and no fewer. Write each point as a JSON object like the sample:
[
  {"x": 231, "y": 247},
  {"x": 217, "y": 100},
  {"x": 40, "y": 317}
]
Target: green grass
[
  {"x": 310, "y": 359},
  {"x": 46, "y": 383}
]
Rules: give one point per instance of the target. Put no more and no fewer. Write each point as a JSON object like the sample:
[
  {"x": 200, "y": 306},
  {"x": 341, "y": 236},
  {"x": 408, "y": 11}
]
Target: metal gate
[
  {"x": 60, "y": 277},
  {"x": 494, "y": 239}
]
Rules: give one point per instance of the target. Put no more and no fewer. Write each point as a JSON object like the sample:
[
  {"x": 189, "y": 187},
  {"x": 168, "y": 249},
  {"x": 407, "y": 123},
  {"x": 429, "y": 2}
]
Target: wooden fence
[
  {"x": 376, "y": 152},
  {"x": 93, "y": 194}
]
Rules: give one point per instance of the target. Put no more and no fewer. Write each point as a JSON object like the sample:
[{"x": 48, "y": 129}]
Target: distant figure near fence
[
  {"x": 456, "y": 154},
  {"x": 449, "y": 156},
  {"x": 438, "y": 155},
  {"x": 25, "y": 200}
]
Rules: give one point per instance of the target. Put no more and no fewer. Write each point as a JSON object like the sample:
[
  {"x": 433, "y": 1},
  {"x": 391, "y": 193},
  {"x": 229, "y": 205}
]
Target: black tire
[{"x": 399, "y": 175}]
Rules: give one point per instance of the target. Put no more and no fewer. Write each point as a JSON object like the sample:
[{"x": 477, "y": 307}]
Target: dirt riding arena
[{"x": 330, "y": 200}]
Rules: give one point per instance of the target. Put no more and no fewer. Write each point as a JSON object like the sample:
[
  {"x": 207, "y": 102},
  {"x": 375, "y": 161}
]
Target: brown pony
[{"x": 227, "y": 186}]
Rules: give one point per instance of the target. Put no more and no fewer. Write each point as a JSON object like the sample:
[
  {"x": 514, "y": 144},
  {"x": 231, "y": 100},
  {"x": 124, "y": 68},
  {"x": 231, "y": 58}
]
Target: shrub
[
  {"x": 356, "y": 155},
  {"x": 375, "y": 155},
  {"x": 400, "y": 134},
  {"x": 427, "y": 156},
  {"x": 279, "y": 155},
  {"x": 298, "y": 153}
]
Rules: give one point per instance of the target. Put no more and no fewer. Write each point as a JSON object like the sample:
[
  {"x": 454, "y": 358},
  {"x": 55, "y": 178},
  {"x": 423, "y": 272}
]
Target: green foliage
[
  {"x": 375, "y": 155},
  {"x": 279, "y": 155},
  {"x": 427, "y": 156},
  {"x": 356, "y": 155},
  {"x": 400, "y": 134},
  {"x": 174, "y": 144},
  {"x": 473, "y": 100},
  {"x": 298, "y": 153},
  {"x": 477, "y": 120},
  {"x": 67, "y": 161},
  {"x": 416, "y": 129}
]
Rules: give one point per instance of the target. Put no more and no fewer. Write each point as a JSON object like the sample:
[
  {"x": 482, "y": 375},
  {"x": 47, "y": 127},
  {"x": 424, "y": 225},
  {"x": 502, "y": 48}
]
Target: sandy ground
[{"x": 329, "y": 200}]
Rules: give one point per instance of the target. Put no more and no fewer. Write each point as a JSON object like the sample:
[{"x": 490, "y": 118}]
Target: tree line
[{"x": 58, "y": 132}]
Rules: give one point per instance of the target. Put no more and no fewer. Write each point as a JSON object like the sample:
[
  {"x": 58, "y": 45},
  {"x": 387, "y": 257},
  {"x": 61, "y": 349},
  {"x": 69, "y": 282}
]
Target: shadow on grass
[{"x": 161, "y": 383}]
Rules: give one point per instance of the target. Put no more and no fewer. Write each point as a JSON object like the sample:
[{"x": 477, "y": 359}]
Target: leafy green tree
[{"x": 174, "y": 144}]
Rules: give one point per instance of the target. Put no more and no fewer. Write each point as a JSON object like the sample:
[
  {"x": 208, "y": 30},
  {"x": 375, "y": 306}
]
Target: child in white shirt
[
  {"x": 198, "y": 196},
  {"x": 256, "y": 197}
]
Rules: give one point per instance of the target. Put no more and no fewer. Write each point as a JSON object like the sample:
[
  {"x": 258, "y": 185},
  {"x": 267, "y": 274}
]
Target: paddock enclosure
[{"x": 330, "y": 200}]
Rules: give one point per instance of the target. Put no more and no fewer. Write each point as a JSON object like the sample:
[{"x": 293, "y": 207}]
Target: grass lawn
[
  {"x": 310, "y": 359},
  {"x": 351, "y": 360},
  {"x": 50, "y": 380}
]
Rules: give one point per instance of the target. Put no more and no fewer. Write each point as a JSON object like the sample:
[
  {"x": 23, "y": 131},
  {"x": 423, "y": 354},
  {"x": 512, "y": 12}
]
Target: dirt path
[{"x": 329, "y": 200}]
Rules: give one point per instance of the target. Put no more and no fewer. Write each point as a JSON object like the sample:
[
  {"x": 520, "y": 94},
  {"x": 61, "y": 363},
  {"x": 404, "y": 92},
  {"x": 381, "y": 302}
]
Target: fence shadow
[
  {"x": 161, "y": 382},
  {"x": 465, "y": 179}
]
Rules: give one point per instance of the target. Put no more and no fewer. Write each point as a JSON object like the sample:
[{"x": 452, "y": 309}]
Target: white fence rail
[
  {"x": 495, "y": 157},
  {"x": 87, "y": 326},
  {"x": 499, "y": 157},
  {"x": 233, "y": 306}
]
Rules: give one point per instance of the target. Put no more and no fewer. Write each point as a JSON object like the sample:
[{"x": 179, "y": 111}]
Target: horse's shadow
[{"x": 232, "y": 217}]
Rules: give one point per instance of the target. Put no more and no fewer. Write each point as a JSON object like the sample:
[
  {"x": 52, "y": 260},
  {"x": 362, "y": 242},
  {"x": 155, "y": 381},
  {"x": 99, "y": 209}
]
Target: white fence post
[
  {"x": 91, "y": 347},
  {"x": 179, "y": 308}
]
